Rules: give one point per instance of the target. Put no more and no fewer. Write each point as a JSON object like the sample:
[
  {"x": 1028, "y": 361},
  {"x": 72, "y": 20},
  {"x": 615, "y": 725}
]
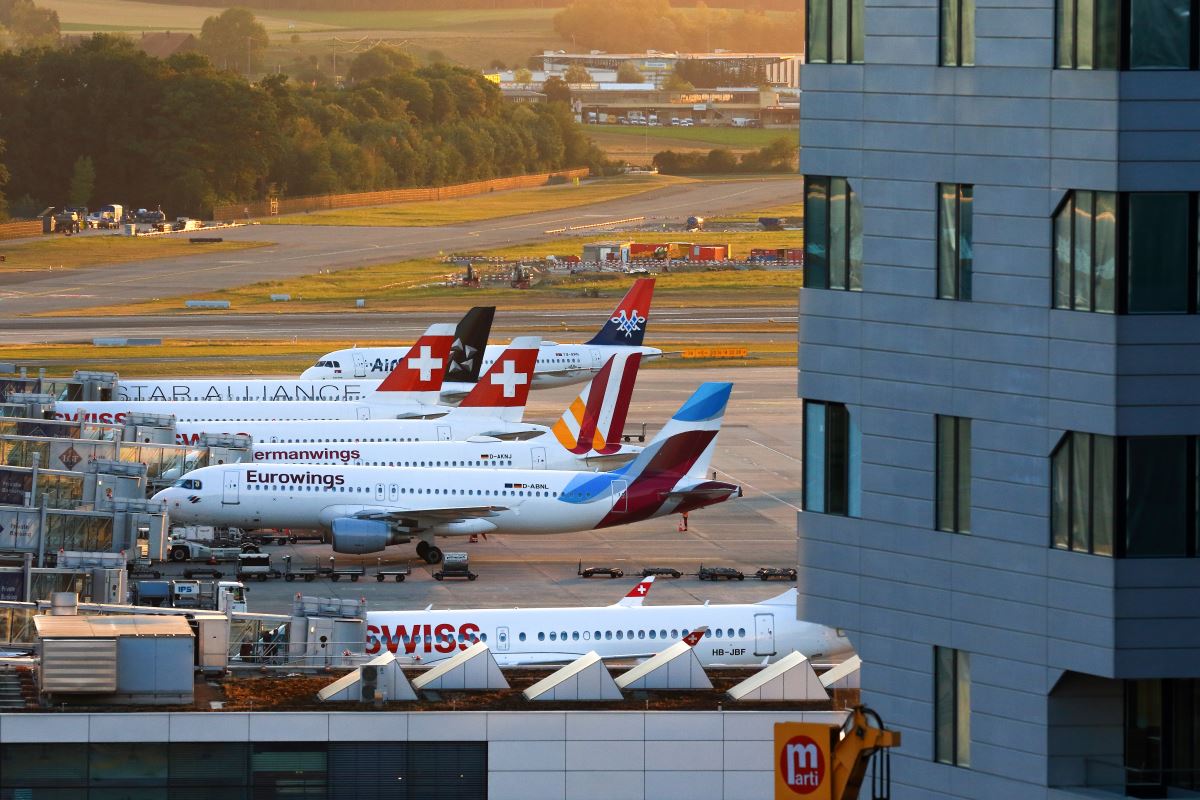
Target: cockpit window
[{"x": 189, "y": 483}]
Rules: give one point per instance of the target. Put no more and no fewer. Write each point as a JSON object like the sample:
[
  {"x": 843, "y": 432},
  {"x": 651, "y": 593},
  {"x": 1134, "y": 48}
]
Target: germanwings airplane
[
  {"x": 410, "y": 391},
  {"x": 461, "y": 371},
  {"x": 587, "y": 436},
  {"x": 738, "y": 634},
  {"x": 557, "y": 364},
  {"x": 370, "y": 508}
]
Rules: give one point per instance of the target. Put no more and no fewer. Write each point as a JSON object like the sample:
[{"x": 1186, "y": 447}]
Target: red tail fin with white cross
[
  {"x": 504, "y": 389},
  {"x": 637, "y": 594}
]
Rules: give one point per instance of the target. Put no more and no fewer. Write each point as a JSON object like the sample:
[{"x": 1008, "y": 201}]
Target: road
[{"x": 303, "y": 250}]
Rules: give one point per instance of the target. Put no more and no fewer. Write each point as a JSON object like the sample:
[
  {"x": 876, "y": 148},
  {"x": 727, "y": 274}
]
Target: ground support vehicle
[
  {"x": 776, "y": 573},
  {"x": 455, "y": 565},
  {"x": 719, "y": 574}
]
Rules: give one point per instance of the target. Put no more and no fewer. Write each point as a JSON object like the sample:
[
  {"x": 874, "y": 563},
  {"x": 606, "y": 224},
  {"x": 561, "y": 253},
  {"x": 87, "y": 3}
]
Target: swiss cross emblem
[
  {"x": 70, "y": 458},
  {"x": 641, "y": 588}
]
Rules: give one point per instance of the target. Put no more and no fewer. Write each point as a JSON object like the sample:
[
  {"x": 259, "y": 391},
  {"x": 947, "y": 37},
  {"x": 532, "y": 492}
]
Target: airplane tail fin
[
  {"x": 595, "y": 419},
  {"x": 628, "y": 323},
  {"x": 637, "y": 594},
  {"x": 504, "y": 389},
  {"x": 470, "y": 340},
  {"x": 418, "y": 375},
  {"x": 684, "y": 446}
]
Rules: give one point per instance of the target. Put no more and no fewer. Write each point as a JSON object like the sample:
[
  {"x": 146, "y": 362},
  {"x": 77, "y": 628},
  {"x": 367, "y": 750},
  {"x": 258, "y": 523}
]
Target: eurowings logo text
[{"x": 628, "y": 325}]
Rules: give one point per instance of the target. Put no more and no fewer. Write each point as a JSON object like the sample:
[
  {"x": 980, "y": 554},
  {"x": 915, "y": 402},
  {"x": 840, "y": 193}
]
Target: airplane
[
  {"x": 557, "y": 364},
  {"x": 588, "y": 435},
  {"x": 739, "y": 634},
  {"x": 370, "y": 508},
  {"x": 410, "y": 391},
  {"x": 462, "y": 367}
]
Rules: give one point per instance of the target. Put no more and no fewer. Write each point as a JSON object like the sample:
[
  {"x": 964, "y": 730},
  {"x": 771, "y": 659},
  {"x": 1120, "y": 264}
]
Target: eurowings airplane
[
  {"x": 410, "y": 391},
  {"x": 587, "y": 436},
  {"x": 370, "y": 508},
  {"x": 462, "y": 365},
  {"x": 738, "y": 634},
  {"x": 557, "y": 364}
]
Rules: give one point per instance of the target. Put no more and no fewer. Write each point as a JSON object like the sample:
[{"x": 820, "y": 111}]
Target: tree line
[
  {"x": 623, "y": 26},
  {"x": 778, "y": 156},
  {"x": 29, "y": 24},
  {"x": 183, "y": 134},
  {"x": 451, "y": 5}
]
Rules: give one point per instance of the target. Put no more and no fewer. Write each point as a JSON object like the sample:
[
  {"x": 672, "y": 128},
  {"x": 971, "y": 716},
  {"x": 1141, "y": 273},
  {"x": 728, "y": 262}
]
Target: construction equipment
[{"x": 860, "y": 741}]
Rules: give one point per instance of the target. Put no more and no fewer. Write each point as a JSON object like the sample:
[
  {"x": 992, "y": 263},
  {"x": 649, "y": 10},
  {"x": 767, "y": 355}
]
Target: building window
[
  {"x": 955, "y": 236},
  {"x": 832, "y": 459},
  {"x": 833, "y": 234},
  {"x": 1162, "y": 736},
  {"x": 958, "y": 33},
  {"x": 1085, "y": 252},
  {"x": 835, "y": 32},
  {"x": 1082, "y": 469},
  {"x": 952, "y": 706},
  {"x": 954, "y": 474},
  {"x": 1133, "y": 252},
  {"x": 1130, "y": 496},
  {"x": 1137, "y": 35}
]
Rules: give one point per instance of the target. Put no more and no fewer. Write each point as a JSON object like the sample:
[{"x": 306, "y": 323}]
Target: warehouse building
[{"x": 998, "y": 340}]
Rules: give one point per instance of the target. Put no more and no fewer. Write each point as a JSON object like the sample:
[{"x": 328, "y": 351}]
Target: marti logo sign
[{"x": 802, "y": 767}]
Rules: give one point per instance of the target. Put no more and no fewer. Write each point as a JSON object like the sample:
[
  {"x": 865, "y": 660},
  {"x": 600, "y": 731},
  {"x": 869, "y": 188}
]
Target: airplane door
[
  {"x": 539, "y": 458},
  {"x": 619, "y": 498},
  {"x": 597, "y": 358},
  {"x": 393, "y": 492},
  {"x": 229, "y": 491},
  {"x": 764, "y": 634},
  {"x": 360, "y": 364},
  {"x": 443, "y": 432},
  {"x": 379, "y": 491},
  {"x": 364, "y": 412},
  {"x": 502, "y": 639}
]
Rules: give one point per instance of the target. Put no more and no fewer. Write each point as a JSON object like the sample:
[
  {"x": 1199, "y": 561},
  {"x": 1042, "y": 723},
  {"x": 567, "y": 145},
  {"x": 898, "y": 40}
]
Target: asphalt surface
[
  {"x": 304, "y": 249},
  {"x": 758, "y": 448}
]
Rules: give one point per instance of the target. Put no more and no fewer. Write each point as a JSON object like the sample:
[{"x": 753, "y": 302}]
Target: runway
[{"x": 302, "y": 250}]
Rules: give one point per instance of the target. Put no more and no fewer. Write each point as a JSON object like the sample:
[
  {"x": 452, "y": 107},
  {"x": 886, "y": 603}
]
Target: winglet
[
  {"x": 504, "y": 389},
  {"x": 422, "y": 368},
  {"x": 627, "y": 325},
  {"x": 695, "y": 636},
  {"x": 637, "y": 594}
]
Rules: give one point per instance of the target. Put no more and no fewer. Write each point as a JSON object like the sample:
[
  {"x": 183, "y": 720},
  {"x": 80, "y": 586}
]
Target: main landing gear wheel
[
  {"x": 422, "y": 549},
  {"x": 432, "y": 555}
]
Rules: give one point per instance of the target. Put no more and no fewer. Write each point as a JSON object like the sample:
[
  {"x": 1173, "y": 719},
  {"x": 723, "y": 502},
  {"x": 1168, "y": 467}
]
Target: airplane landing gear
[
  {"x": 422, "y": 548},
  {"x": 433, "y": 555}
]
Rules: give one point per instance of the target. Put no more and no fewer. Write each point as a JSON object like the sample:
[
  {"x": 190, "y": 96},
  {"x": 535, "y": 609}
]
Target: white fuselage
[
  {"x": 741, "y": 634},
  {"x": 538, "y": 454},
  {"x": 314, "y": 495},
  {"x": 115, "y": 411},
  {"x": 456, "y": 426},
  {"x": 557, "y": 364}
]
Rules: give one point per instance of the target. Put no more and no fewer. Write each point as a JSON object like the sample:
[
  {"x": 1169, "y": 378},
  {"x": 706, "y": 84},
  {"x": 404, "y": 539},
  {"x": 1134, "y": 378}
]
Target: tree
[
  {"x": 30, "y": 25},
  {"x": 233, "y": 40},
  {"x": 676, "y": 83},
  {"x": 629, "y": 73},
  {"x": 523, "y": 76},
  {"x": 380, "y": 62},
  {"x": 577, "y": 74},
  {"x": 83, "y": 181},
  {"x": 3, "y": 181},
  {"x": 556, "y": 90}
]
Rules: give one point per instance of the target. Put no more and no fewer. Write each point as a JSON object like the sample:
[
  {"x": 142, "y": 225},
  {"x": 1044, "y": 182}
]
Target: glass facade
[
  {"x": 954, "y": 474},
  {"x": 1162, "y": 736},
  {"x": 1135, "y": 35},
  {"x": 1085, "y": 252},
  {"x": 832, "y": 459},
  {"x": 1128, "y": 496},
  {"x": 241, "y": 771},
  {"x": 955, "y": 236},
  {"x": 833, "y": 234},
  {"x": 1161, "y": 246},
  {"x": 952, "y": 706},
  {"x": 835, "y": 31},
  {"x": 957, "y": 33}
]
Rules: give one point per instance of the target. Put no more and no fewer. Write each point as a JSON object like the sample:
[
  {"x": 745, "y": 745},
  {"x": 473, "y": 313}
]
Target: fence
[
  {"x": 296, "y": 205},
  {"x": 21, "y": 229}
]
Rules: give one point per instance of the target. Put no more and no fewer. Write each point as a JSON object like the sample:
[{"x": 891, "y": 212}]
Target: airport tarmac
[
  {"x": 758, "y": 448},
  {"x": 307, "y": 249}
]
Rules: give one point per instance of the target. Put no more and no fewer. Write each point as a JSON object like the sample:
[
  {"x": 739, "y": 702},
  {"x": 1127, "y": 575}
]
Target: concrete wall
[
  {"x": 1023, "y": 134},
  {"x": 531, "y": 754}
]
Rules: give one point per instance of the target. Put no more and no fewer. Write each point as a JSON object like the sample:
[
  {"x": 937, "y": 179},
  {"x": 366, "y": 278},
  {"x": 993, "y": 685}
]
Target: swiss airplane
[
  {"x": 370, "y": 508},
  {"x": 462, "y": 365},
  {"x": 557, "y": 364},
  {"x": 738, "y": 634},
  {"x": 410, "y": 391},
  {"x": 588, "y": 435}
]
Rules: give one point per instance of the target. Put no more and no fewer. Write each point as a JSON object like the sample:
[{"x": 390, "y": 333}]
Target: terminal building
[{"x": 1001, "y": 409}]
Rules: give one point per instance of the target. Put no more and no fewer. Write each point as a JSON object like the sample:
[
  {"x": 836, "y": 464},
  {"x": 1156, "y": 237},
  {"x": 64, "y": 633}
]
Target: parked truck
[
  {"x": 223, "y": 596},
  {"x": 187, "y": 550}
]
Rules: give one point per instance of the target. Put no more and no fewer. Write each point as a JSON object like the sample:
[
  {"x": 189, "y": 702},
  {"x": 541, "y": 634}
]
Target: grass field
[
  {"x": 72, "y": 252},
  {"x": 187, "y": 358},
  {"x": 637, "y": 145},
  {"x": 397, "y": 286},
  {"x": 486, "y": 206},
  {"x": 127, "y": 15},
  {"x": 794, "y": 211}
]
